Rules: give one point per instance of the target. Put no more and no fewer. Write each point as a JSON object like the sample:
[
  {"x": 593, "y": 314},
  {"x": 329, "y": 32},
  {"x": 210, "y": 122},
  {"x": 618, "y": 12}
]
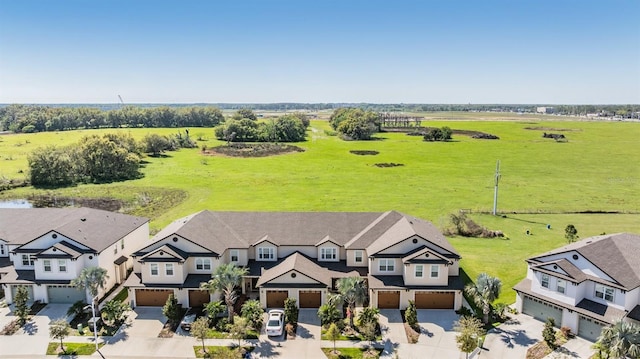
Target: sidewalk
[{"x": 574, "y": 348}]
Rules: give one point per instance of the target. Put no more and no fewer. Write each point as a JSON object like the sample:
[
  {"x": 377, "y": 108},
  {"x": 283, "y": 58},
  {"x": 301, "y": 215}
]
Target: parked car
[
  {"x": 188, "y": 319},
  {"x": 275, "y": 324}
]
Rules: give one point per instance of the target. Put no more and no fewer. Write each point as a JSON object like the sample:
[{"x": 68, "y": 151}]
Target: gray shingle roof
[
  {"x": 94, "y": 228},
  {"x": 614, "y": 254}
]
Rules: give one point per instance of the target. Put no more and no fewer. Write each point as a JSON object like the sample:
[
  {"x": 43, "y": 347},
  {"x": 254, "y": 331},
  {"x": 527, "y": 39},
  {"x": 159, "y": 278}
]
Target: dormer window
[
  {"x": 266, "y": 254},
  {"x": 328, "y": 254},
  {"x": 561, "y": 286},
  {"x": 544, "y": 281},
  {"x": 234, "y": 255},
  {"x": 604, "y": 292},
  {"x": 358, "y": 256}
]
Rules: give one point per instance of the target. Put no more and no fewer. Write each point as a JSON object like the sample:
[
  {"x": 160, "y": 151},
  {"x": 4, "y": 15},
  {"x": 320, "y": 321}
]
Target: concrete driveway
[
  {"x": 512, "y": 338},
  {"x": 39, "y": 323},
  {"x": 436, "y": 331},
  {"x": 308, "y": 324}
]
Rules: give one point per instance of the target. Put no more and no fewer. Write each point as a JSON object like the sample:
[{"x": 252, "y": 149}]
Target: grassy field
[{"x": 543, "y": 181}]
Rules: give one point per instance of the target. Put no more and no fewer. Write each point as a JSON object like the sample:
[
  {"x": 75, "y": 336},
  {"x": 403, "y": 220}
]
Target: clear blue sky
[{"x": 447, "y": 51}]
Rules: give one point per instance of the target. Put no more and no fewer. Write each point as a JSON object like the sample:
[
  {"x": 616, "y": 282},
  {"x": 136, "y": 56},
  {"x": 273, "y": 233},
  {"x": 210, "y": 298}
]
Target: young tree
[
  {"x": 484, "y": 292},
  {"x": 199, "y": 330},
  {"x": 368, "y": 331},
  {"x": 171, "y": 309},
  {"x": 619, "y": 340},
  {"x": 156, "y": 144},
  {"x": 470, "y": 329},
  {"x": 291, "y": 311},
  {"x": 549, "y": 333},
  {"x": 239, "y": 328},
  {"x": 20, "y": 301},
  {"x": 333, "y": 334},
  {"x": 368, "y": 315},
  {"x": 411, "y": 315},
  {"x": 252, "y": 310},
  {"x": 59, "y": 329},
  {"x": 571, "y": 233},
  {"x": 352, "y": 290},
  {"x": 225, "y": 279}
]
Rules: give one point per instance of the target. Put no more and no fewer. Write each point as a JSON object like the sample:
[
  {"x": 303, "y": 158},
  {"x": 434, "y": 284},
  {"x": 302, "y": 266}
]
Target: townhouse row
[{"x": 301, "y": 255}]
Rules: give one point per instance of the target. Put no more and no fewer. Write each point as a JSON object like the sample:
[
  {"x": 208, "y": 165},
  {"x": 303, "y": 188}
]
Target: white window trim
[
  {"x": 266, "y": 254},
  {"x": 166, "y": 269},
  {"x": 357, "y": 254},
  {"x": 561, "y": 284},
  {"x": 234, "y": 253},
  {"x": 47, "y": 263},
  {"x": 329, "y": 253},
  {"x": 421, "y": 271},
  {"x": 203, "y": 262},
  {"x": 157, "y": 269},
  {"x": 389, "y": 262},
  {"x": 604, "y": 292},
  {"x": 1, "y": 249},
  {"x": 437, "y": 271},
  {"x": 62, "y": 263},
  {"x": 542, "y": 280},
  {"x": 28, "y": 259}
]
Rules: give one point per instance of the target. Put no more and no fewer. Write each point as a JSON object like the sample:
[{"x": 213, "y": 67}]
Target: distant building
[{"x": 545, "y": 109}]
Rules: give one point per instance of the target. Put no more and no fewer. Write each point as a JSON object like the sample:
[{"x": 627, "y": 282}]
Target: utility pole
[{"x": 495, "y": 192}]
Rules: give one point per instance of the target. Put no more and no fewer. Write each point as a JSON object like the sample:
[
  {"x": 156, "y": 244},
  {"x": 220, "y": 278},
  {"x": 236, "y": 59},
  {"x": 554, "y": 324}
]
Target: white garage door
[
  {"x": 589, "y": 328},
  {"x": 542, "y": 310},
  {"x": 65, "y": 294}
]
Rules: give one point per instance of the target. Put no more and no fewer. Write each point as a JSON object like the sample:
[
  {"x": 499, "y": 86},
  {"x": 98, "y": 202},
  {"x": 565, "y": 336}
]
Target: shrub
[
  {"x": 411, "y": 315},
  {"x": 171, "y": 309},
  {"x": 252, "y": 310},
  {"x": 291, "y": 311},
  {"x": 566, "y": 332},
  {"x": 222, "y": 325},
  {"x": 549, "y": 333}
]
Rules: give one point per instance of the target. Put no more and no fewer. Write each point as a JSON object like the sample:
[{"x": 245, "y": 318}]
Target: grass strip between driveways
[
  {"x": 219, "y": 351},
  {"x": 72, "y": 348},
  {"x": 352, "y": 353}
]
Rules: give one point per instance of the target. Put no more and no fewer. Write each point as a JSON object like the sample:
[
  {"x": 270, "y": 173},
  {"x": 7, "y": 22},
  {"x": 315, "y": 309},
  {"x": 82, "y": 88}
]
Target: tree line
[{"x": 244, "y": 126}]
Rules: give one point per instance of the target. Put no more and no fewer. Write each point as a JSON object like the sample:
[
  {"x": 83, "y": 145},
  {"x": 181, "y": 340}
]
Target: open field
[{"x": 544, "y": 181}]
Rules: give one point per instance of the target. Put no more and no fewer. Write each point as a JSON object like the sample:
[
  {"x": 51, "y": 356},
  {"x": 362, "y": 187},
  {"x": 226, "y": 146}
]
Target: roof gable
[{"x": 166, "y": 252}]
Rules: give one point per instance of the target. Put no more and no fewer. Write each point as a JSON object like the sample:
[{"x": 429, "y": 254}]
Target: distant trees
[
  {"x": 571, "y": 233},
  {"x": 287, "y": 128},
  {"x": 355, "y": 123}
]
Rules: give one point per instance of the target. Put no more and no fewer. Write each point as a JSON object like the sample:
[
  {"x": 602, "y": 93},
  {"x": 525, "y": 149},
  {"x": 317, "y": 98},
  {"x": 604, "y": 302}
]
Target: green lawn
[
  {"x": 543, "y": 181},
  {"x": 72, "y": 348},
  {"x": 217, "y": 351},
  {"x": 352, "y": 353}
]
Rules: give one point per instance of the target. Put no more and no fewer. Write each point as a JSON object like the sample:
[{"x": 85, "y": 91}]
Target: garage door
[
  {"x": 15, "y": 287},
  {"x": 275, "y": 298},
  {"x": 434, "y": 300},
  {"x": 309, "y": 299},
  {"x": 65, "y": 294},
  {"x": 388, "y": 299},
  {"x": 198, "y": 298},
  {"x": 152, "y": 297},
  {"x": 589, "y": 329},
  {"x": 542, "y": 310}
]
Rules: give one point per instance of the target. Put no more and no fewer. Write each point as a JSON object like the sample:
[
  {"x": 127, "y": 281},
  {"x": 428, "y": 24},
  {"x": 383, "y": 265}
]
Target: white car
[{"x": 275, "y": 323}]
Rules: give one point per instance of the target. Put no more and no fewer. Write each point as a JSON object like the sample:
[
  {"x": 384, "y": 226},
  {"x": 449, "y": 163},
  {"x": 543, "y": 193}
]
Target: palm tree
[
  {"x": 619, "y": 340},
  {"x": 225, "y": 279},
  {"x": 484, "y": 292},
  {"x": 92, "y": 279},
  {"x": 352, "y": 290}
]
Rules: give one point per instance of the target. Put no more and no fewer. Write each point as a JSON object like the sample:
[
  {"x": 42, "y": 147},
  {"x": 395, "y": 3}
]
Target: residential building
[
  {"x": 43, "y": 249},
  {"x": 585, "y": 285},
  {"x": 300, "y": 255}
]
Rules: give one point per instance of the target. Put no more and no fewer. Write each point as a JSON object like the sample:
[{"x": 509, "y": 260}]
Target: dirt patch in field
[
  {"x": 388, "y": 164},
  {"x": 424, "y": 130},
  {"x": 364, "y": 153},
  {"x": 252, "y": 150},
  {"x": 542, "y": 128},
  {"x": 51, "y": 201}
]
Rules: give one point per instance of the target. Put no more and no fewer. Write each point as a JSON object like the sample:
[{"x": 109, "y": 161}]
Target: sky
[{"x": 264, "y": 51}]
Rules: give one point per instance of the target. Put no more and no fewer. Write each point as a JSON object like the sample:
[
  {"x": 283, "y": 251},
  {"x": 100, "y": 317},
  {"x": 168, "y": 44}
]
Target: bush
[
  {"x": 252, "y": 310},
  {"x": 549, "y": 333},
  {"x": 223, "y": 325},
  {"x": 172, "y": 310},
  {"x": 291, "y": 311},
  {"x": 438, "y": 134},
  {"x": 411, "y": 315},
  {"x": 328, "y": 313},
  {"x": 29, "y": 129}
]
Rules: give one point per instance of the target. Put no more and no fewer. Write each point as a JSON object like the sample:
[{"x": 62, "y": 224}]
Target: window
[
  {"x": 562, "y": 285},
  {"x": 605, "y": 293},
  {"x": 235, "y": 255},
  {"x": 27, "y": 260},
  {"x": 358, "y": 256},
  {"x": 419, "y": 270},
  {"x": 154, "y": 268},
  {"x": 47, "y": 265},
  {"x": 328, "y": 253},
  {"x": 266, "y": 253},
  {"x": 62, "y": 265},
  {"x": 434, "y": 271},
  {"x": 387, "y": 265},
  {"x": 2, "y": 249},
  {"x": 122, "y": 244},
  {"x": 545, "y": 281},
  {"x": 168, "y": 269},
  {"x": 203, "y": 264},
  {"x": 115, "y": 249}
]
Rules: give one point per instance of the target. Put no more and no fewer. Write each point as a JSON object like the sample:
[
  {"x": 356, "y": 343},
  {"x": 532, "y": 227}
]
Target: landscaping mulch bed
[
  {"x": 252, "y": 150},
  {"x": 364, "y": 153},
  {"x": 388, "y": 164},
  {"x": 538, "y": 351}
]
